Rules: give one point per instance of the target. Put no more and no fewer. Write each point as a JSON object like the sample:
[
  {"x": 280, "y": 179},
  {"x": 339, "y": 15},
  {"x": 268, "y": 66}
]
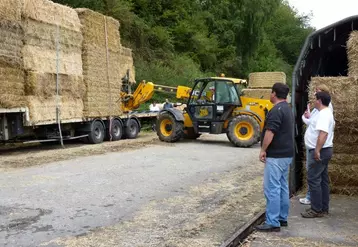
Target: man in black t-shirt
[{"x": 277, "y": 153}]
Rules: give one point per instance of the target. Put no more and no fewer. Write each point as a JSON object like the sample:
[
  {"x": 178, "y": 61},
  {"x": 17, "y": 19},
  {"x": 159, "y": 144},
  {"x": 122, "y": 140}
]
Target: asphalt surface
[{"x": 70, "y": 198}]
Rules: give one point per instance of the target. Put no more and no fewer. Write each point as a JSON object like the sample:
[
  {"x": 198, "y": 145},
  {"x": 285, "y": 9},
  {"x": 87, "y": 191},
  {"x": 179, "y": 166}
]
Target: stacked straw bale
[
  {"x": 101, "y": 75},
  {"x": 126, "y": 61},
  {"x": 11, "y": 42},
  {"x": 259, "y": 93},
  {"x": 47, "y": 27},
  {"x": 352, "y": 50},
  {"x": 343, "y": 168},
  {"x": 265, "y": 79}
]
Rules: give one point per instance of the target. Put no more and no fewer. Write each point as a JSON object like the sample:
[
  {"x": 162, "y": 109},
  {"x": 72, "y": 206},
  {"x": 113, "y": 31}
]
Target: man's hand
[
  {"x": 262, "y": 156},
  {"x": 307, "y": 114},
  {"x": 317, "y": 155}
]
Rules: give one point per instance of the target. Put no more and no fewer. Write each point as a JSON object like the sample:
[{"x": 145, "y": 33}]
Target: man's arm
[
  {"x": 322, "y": 137},
  {"x": 267, "y": 140}
]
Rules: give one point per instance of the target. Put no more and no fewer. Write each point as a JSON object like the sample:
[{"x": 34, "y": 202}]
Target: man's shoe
[
  {"x": 325, "y": 212},
  {"x": 283, "y": 223},
  {"x": 267, "y": 228},
  {"x": 305, "y": 201},
  {"x": 311, "y": 214}
]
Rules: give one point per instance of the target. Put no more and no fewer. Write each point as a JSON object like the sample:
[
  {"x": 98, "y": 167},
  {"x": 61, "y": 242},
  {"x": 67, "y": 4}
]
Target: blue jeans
[
  {"x": 276, "y": 190},
  {"x": 308, "y": 196}
]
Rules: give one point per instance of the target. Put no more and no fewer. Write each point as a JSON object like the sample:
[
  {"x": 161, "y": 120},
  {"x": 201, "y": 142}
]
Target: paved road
[{"x": 70, "y": 198}]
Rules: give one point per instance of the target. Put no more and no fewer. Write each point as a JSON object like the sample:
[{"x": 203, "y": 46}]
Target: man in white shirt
[
  {"x": 306, "y": 118},
  {"x": 319, "y": 142}
]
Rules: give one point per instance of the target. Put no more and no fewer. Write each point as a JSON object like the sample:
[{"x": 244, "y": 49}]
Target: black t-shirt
[{"x": 280, "y": 121}]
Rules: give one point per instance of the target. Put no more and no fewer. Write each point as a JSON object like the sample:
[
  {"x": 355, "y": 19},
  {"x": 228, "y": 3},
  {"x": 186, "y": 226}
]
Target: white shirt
[
  {"x": 313, "y": 114},
  {"x": 321, "y": 121},
  {"x": 154, "y": 108}
]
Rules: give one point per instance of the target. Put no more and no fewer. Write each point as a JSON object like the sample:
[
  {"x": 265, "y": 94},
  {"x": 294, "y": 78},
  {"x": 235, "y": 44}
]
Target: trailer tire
[
  {"x": 132, "y": 129},
  {"x": 97, "y": 133},
  {"x": 116, "y": 131}
]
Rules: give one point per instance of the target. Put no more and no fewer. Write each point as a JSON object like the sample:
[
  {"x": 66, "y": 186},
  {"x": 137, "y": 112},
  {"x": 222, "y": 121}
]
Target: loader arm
[{"x": 145, "y": 91}]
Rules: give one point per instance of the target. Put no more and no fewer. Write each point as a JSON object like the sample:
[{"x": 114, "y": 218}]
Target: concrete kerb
[{"x": 240, "y": 235}]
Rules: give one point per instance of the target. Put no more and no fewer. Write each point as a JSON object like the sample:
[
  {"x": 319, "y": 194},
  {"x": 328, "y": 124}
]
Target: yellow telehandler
[{"x": 214, "y": 106}]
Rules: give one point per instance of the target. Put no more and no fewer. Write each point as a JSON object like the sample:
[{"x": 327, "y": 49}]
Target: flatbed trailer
[{"x": 15, "y": 126}]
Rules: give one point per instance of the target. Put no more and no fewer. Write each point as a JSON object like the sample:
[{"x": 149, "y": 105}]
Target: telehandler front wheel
[
  {"x": 168, "y": 128},
  {"x": 243, "y": 131}
]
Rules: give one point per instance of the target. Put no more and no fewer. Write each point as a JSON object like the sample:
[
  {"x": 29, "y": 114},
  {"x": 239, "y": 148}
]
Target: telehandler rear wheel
[
  {"x": 168, "y": 128},
  {"x": 243, "y": 131}
]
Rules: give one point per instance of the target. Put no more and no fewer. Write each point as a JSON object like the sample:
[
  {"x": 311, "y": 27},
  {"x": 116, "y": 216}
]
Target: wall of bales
[
  {"x": 38, "y": 39},
  {"x": 343, "y": 168}
]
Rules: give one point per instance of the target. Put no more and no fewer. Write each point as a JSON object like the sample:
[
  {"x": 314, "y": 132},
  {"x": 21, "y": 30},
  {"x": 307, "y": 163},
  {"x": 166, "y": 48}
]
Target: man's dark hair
[
  {"x": 324, "y": 97},
  {"x": 281, "y": 90}
]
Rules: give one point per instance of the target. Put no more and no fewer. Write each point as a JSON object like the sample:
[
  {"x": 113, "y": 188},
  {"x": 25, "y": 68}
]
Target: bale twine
[
  {"x": 43, "y": 109},
  {"x": 102, "y": 96},
  {"x": 343, "y": 168},
  {"x": 52, "y": 13},
  {"x": 352, "y": 51},
  {"x": 257, "y": 93},
  {"x": 11, "y": 10},
  {"x": 265, "y": 79}
]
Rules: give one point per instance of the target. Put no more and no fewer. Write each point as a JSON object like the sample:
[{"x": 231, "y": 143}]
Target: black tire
[
  {"x": 168, "y": 128},
  {"x": 132, "y": 129},
  {"x": 97, "y": 133},
  {"x": 243, "y": 131},
  {"x": 116, "y": 131},
  {"x": 190, "y": 134}
]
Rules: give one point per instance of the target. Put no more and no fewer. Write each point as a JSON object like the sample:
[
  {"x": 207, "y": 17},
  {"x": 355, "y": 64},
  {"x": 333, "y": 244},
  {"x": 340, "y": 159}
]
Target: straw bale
[
  {"x": 44, "y": 109},
  {"x": 11, "y": 43},
  {"x": 257, "y": 93},
  {"x": 94, "y": 30},
  {"x": 344, "y": 159},
  {"x": 352, "y": 51},
  {"x": 343, "y": 175},
  {"x": 44, "y": 35},
  {"x": 344, "y": 148},
  {"x": 44, "y": 85},
  {"x": 44, "y": 61},
  {"x": 345, "y": 190},
  {"x": 52, "y": 13},
  {"x": 265, "y": 79},
  {"x": 11, "y": 10},
  {"x": 11, "y": 101},
  {"x": 126, "y": 62},
  {"x": 344, "y": 95}
]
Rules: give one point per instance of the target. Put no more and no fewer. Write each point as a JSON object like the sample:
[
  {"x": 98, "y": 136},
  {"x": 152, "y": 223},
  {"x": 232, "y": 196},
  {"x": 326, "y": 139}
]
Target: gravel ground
[{"x": 192, "y": 193}]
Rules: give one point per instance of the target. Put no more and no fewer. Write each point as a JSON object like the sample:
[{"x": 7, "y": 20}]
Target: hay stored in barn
[
  {"x": 52, "y": 13},
  {"x": 352, "y": 51},
  {"x": 257, "y": 93},
  {"x": 44, "y": 109},
  {"x": 44, "y": 85},
  {"x": 11, "y": 10},
  {"x": 265, "y": 79},
  {"x": 11, "y": 43},
  {"x": 101, "y": 64}
]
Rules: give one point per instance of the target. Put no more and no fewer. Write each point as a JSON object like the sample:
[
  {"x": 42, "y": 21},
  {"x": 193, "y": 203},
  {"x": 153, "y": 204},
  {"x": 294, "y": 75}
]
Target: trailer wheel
[
  {"x": 132, "y": 129},
  {"x": 97, "y": 133},
  {"x": 116, "y": 131}
]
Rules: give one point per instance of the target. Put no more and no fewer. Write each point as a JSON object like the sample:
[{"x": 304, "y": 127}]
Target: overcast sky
[{"x": 326, "y": 12}]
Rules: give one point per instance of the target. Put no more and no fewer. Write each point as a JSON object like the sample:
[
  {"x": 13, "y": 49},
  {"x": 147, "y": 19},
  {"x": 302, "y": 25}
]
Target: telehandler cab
[{"x": 214, "y": 106}]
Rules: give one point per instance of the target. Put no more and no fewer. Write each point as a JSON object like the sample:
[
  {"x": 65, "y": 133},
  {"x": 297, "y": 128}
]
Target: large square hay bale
[
  {"x": 11, "y": 10},
  {"x": 257, "y": 93},
  {"x": 265, "y": 79},
  {"x": 44, "y": 85},
  {"x": 11, "y": 44},
  {"x": 44, "y": 109},
  {"x": 95, "y": 25},
  {"x": 101, "y": 64},
  {"x": 352, "y": 50},
  {"x": 126, "y": 62},
  {"x": 52, "y": 13},
  {"x": 344, "y": 96}
]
